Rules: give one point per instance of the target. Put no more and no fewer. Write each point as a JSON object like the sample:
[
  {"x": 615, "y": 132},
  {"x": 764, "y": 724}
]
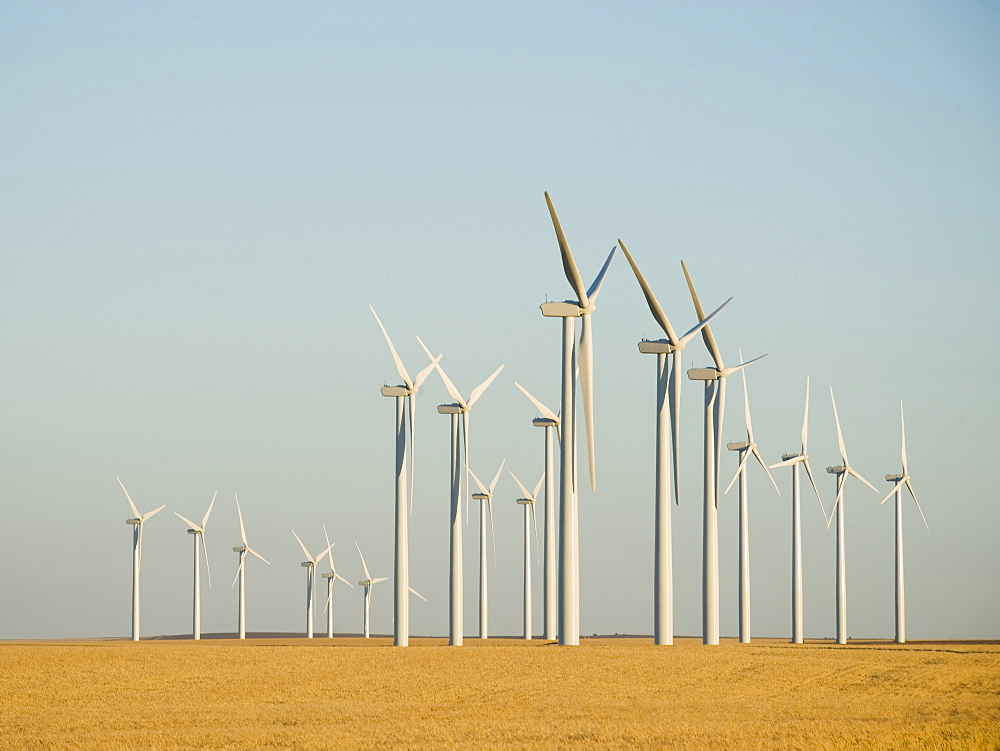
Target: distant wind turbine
[
  {"x": 198, "y": 531},
  {"x": 136, "y": 523},
  {"x": 527, "y": 500},
  {"x": 240, "y": 573},
  {"x": 331, "y": 577},
  {"x": 367, "y": 583},
  {"x": 485, "y": 497},
  {"x": 310, "y": 566}
]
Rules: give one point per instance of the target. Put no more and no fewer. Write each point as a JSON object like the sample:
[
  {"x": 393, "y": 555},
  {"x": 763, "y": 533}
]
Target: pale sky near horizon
[{"x": 199, "y": 201}]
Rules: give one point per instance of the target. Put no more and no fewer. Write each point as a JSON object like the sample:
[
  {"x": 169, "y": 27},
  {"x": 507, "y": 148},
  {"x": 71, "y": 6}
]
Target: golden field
[{"x": 618, "y": 692}]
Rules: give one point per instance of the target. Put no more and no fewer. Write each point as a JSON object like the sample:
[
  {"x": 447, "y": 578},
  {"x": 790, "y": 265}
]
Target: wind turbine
[
  {"x": 746, "y": 449},
  {"x": 460, "y": 407},
  {"x": 485, "y": 497},
  {"x": 841, "y": 471},
  {"x": 663, "y": 600},
  {"x": 198, "y": 531},
  {"x": 528, "y": 501},
  {"x": 310, "y": 566},
  {"x": 548, "y": 421},
  {"x": 897, "y": 490},
  {"x": 367, "y": 583},
  {"x": 330, "y": 579},
  {"x": 402, "y": 394},
  {"x": 715, "y": 409},
  {"x": 582, "y": 307},
  {"x": 793, "y": 461},
  {"x": 136, "y": 523},
  {"x": 243, "y": 550}
]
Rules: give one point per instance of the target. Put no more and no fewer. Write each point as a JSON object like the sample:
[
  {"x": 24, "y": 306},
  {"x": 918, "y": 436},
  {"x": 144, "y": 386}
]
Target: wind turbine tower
[
  {"x": 528, "y": 502},
  {"x": 136, "y": 523},
  {"x": 198, "y": 532},
  {"x": 368, "y": 582},
  {"x": 331, "y": 578},
  {"x": 485, "y": 498},
  {"x": 240, "y": 572}
]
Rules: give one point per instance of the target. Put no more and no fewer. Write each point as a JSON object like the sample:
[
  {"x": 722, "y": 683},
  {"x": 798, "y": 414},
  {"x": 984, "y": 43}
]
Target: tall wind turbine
[
  {"x": 897, "y": 490},
  {"x": 527, "y": 500},
  {"x": 663, "y": 598},
  {"x": 715, "y": 406},
  {"x": 793, "y": 461},
  {"x": 582, "y": 307},
  {"x": 841, "y": 471},
  {"x": 243, "y": 550},
  {"x": 407, "y": 392},
  {"x": 310, "y": 566},
  {"x": 485, "y": 498},
  {"x": 331, "y": 577},
  {"x": 460, "y": 407},
  {"x": 136, "y": 523},
  {"x": 198, "y": 532},
  {"x": 746, "y": 449},
  {"x": 367, "y": 583}
]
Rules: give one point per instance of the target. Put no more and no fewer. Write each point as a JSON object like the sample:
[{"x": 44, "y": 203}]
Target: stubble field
[{"x": 619, "y": 692}]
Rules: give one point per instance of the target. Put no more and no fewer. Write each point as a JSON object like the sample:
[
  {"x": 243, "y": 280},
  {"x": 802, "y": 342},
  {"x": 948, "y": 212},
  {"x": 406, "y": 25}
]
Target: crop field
[{"x": 618, "y": 692}]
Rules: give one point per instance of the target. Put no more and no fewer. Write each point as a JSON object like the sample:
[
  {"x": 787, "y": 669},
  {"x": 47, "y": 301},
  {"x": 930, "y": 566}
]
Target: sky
[{"x": 198, "y": 202}]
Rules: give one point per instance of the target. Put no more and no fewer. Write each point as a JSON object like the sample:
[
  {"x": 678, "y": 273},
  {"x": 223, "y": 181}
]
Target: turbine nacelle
[
  {"x": 451, "y": 409},
  {"x": 740, "y": 445},
  {"x": 397, "y": 391},
  {"x": 481, "y": 496},
  {"x": 838, "y": 470},
  {"x": 195, "y": 532},
  {"x": 703, "y": 374},
  {"x": 307, "y": 564},
  {"x": 240, "y": 549},
  {"x": 565, "y": 309},
  {"x": 133, "y": 522},
  {"x": 896, "y": 478},
  {"x": 658, "y": 347},
  {"x": 524, "y": 502},
  {"x": 540, "y": 422}
]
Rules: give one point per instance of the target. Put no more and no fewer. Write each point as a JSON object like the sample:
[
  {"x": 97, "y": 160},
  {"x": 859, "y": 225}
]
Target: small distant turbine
[
  {"x": 485, "y": 497},
  {"x": 745, "y": 449},
  {"x": 243, "y": 550},
  {"x": 897, "y": 490},
  {"x": 330, "y": 579},
  {"x": 310, "y": 566},
  {"x": 367, "y": 583},
  {"x": 198, "y": 531},
  {"x": 528, "y": 502},
  {"x": 842, "y": 471},
  {"x": 136, "y": 523}
]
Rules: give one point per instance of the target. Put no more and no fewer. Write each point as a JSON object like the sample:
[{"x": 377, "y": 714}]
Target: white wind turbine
[
  {"x": 528, "y": 501},
  {"x": 715, "y": 407},
  {"x": 198, "y": 532},
  {"x": 569, "y": 310},
  {"x": 745, "y": 449},
  {"x": 406, "y": 401},
  {"x": 136, "y": 523},
  {"x": 841, "y": 471},
  {"x": 460, "y": 407},
  {"x": 897, "y": 490},
  {"x": 310, "y": 566},
  {"x": 548, "y": 421},
  {"x": 367, "y": 583},
  {"x": 485, "y": 497},
  {"x": 663, "y": 607},
  {"x": 330, "y": 579},
  {"x": 240, "y": 573},
  {"x": 793, "y": 461}
]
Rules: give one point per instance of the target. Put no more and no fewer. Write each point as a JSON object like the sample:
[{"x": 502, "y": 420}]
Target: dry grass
[{"x": 620, "y": 692}]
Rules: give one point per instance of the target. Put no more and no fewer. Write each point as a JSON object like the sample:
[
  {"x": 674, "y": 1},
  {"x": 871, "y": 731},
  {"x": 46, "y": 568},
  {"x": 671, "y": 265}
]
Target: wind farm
[{"x": 225, "y": 228}]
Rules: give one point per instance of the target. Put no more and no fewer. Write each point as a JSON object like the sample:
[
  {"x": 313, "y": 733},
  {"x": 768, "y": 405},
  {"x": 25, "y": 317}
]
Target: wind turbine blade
[
  {"x": 329, "y": 546},
  {"x": 189, "y": 522},
  {"x": 805, "y": 463},
  {"x": 523, "y": 489},
  {"x": 329, "y": 594},
  {"x": 478, "y": 390},
  {"x": 706, "y": 332},
  {"x": 243, "y": 531},
  {"x": 746, "y": 402},
  {"x": 739, "y": 469},
  {"x": 538, "y": 485},
  {"x": 338, "y": 576},
  {"x": 595, "y": 288},
  {"x": 422, "y": 375},
  {"x": 914, "y": 497},
  {"x": 805, "y": 421},
  {"x": 411, "y": 409},
  {"x": 545, "y": 411},
  {"x": 587, "y": 389},
  {"x": 855, "y": 474},
  {"x": 444, "y": 376},
  {"x": 719, "y": 416},
  {"x": 325, "y": 552},
  {"x": 129, "y": 499},
  {"x": 240, "y": 568},
  {"x": 208, "y": 568},
  {"x": 302, "y": 545},
  {"x": 785, "y": 463},
  {"x": 534, "y": 523},
  {"x": 892, "y": 492},
  {"x": 902, "y": 430},
  {"x": 703, "y": 323},
  {"x": 465, "y": 458},
  {"x": 674, "y": 398},
  {"x": 415, "y": 592},
  {"x": 493, "y": 531},
  {"x": 841, "y": 481},
  {"x": 730, "y": 371},
  {"x": 496, "y": 477},
  {"x": 204, "y": 521},
  {"x": 395, "y": 355},
  {"x": 840, "y": 435},
  {"x": 760, "y": 461},
  {"x": 380, "y": 579},
  {"x": 364, "y": 565},
  {"x": 154, "y": 512},
  {"x": 654, "y": 306},
  {"x": 569, "y": 265},
  {"x": 482, "y": 488},
  {"x": 254, "y": 552}
]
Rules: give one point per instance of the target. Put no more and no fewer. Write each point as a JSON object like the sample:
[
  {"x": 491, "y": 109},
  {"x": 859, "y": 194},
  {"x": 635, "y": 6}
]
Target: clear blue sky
[{"x": 198, "y": 202}]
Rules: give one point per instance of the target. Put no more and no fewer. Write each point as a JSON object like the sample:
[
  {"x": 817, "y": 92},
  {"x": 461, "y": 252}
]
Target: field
[{"x": 619, "y": 692}]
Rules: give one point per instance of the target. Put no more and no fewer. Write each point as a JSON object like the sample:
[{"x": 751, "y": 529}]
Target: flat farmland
[{"x": 617, "y": 692}]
